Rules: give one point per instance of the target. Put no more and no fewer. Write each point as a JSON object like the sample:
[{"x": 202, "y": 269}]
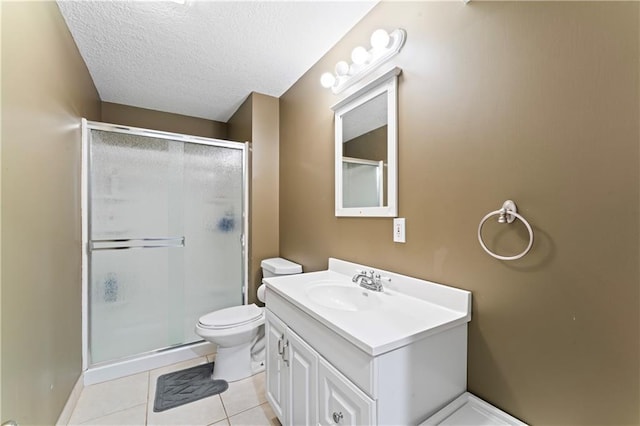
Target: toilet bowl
[{"x": 238, "y": 331}]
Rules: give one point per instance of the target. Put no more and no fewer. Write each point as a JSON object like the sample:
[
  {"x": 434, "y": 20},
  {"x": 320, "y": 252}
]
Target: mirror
[{"x": 366, "y": 150}]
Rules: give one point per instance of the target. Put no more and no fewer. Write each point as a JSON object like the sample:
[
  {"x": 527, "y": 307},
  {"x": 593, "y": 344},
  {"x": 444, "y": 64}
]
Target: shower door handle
[{"x": 135, "y": 243}]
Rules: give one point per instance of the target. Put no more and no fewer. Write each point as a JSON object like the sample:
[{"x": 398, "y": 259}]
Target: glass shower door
[{"x": 166, "y": 225}]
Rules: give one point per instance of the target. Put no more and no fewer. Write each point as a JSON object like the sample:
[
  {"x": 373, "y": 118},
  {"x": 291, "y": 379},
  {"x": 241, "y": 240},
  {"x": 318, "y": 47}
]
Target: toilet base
[
  {"x": 232, "y": 363},
  {"x": 257, "y": 367},
  {"x": 235, "y": 363}
]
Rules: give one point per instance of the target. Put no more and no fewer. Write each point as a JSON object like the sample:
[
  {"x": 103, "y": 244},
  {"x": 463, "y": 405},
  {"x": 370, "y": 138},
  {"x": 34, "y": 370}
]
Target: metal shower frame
[{"x": 87, "y": 126}]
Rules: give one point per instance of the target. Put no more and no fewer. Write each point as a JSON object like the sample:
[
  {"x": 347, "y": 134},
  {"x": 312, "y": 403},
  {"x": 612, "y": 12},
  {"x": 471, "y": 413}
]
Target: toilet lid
[{"x": 231, "y": 317}]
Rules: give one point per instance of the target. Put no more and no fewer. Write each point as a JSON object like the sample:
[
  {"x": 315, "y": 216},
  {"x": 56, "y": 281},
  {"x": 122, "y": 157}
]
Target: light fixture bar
[{"x": 384, "y": 47}]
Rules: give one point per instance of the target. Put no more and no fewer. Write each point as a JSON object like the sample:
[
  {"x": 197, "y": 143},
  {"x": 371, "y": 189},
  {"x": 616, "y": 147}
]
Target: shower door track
[{"x": 163, "y": 356}]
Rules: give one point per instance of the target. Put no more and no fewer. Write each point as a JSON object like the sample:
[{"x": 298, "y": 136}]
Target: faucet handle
[{"x": 370, "y": 274}]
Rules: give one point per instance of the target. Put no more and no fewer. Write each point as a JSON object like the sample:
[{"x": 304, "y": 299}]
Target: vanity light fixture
[{"x": 383, "y": 47}]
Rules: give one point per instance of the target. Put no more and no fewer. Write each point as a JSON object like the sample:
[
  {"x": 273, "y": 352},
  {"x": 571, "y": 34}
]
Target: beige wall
[
  {"x": 257, "y": 121},
  {"x": 240, "y": 129},
  {"x": 165, "y": 121},
  {"x": 538, "y": 102},
  {"x": 46, "y": 89},
  {"x": 265, "y": 230},
  {"x": 239, "y": 125},
  {"x": 369, "y": 146}
]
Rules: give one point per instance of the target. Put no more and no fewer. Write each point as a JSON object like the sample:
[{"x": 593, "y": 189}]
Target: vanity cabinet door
[
  {"x": 303, "y": 374},
  {"x": 340, "y": 401},
  {"x": 276, "y": 370}
]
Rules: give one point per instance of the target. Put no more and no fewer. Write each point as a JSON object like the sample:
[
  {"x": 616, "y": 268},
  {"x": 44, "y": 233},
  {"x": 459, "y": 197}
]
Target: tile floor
[{"x": 129, "y": 401}]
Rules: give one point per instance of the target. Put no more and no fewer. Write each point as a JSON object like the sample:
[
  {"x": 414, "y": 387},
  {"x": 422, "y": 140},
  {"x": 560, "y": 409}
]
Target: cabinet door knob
[{"x": 337, "y": 417}]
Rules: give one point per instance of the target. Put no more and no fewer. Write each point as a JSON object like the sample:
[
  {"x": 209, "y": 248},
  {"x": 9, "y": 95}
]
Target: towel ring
[{"x": 507, "y": 214}]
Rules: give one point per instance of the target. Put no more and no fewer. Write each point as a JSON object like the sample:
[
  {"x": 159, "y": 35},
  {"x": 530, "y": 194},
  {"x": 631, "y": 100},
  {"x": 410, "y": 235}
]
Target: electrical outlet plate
[{"x": 399, "y": 230}]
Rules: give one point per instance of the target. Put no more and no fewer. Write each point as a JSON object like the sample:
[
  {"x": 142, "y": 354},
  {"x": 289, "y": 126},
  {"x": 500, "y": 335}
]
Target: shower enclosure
[{"x": 165, "y": 228}]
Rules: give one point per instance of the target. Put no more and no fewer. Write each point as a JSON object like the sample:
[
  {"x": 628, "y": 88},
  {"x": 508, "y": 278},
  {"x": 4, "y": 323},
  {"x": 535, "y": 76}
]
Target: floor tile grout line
[
  {"x": 105, "y": 414},
  {"x": 223, "y": 406},
  {"x": 91, "y": 419},
  {"x": 247, "y": 409},
  {"x": 86, "y": 422}
]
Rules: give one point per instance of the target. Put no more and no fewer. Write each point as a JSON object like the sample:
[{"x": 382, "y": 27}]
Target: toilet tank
[{"x": 279, "y": 266}]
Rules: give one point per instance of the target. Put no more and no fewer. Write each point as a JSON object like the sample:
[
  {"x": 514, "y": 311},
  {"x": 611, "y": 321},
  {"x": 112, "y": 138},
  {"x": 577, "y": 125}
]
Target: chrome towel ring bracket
[{"x": 507, "y": 214}]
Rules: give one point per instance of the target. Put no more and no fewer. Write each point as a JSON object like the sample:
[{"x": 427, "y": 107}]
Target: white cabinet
[
  {"x": 340, "y": 401},
  {"x": 304, "y": 389},
  {"x": 292, "y": 373},
  {"x": 396, "y": 359},
  {"x": 317, "y": 377},
  {"x": 303, "y": 376},
  {"x": 275, "y": 365}
]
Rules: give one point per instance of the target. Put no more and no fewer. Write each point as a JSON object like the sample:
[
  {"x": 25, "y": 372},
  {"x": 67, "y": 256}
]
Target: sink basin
[{"x": 343, "y": 297}]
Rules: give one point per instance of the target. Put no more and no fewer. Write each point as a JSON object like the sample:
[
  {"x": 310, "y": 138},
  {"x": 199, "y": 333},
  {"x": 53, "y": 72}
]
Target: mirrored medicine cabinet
[{"x": 366, "y": 149}]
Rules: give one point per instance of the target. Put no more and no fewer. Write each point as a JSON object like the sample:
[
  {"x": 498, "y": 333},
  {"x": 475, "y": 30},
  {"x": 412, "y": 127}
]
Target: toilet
[{"x": 238, "y": 331}]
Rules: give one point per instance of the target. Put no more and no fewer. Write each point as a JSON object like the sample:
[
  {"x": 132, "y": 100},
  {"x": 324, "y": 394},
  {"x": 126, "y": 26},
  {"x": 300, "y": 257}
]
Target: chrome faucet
[
  {"x": 368, "y": 280},
  {"x": 361, "y": 276}
]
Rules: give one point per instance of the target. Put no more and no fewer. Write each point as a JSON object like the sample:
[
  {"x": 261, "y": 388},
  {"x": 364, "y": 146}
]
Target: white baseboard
[{"x": 65, "y": 415}]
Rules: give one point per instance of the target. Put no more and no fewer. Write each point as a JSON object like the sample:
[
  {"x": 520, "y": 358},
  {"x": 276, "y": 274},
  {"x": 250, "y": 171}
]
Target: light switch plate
[{"x": 399, "y": 233}]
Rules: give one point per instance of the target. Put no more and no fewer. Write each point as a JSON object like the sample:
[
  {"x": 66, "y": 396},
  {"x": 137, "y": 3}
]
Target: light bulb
[
  {"x": 327, "y": 80},
  {"x": 342, "y": 68},
  {"x": 359, "y": 55},
  {"x": 379, "y": 39}
]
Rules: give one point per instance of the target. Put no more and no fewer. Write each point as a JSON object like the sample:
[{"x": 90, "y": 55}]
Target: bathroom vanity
[{"x": 341, "y": 354}]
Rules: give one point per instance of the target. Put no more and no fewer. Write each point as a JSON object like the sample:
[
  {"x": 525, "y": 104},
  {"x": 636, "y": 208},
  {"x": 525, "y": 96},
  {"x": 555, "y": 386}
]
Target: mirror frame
[{"x": 385, "y": 83}]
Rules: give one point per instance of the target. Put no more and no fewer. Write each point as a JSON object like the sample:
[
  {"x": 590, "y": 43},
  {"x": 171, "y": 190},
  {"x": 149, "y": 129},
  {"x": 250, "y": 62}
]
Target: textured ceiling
[
  {"x": 365, "y": 118},
  {"x": 203, "y": 58}
]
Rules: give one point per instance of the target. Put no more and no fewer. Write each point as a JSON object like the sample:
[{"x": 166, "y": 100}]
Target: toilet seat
[{"x": 232, "y": 317}]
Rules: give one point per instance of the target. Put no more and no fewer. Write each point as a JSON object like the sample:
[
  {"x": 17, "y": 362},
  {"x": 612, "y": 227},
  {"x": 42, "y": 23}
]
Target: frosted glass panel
[
  {"x": 362, "y": 184},
  {"x": 152, "y": 192},
  {"x": 131, "y": 184},
  {"x": 130, "y": 301},
  {"x": 213, "y": 225}
]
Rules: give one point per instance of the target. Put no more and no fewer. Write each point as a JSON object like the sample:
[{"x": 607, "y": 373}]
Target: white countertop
[{"x": 410, "y": 309}]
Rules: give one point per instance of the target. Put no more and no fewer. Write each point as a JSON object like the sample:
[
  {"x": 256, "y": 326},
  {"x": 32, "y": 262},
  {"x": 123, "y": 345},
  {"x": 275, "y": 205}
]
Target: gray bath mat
[{"x": 184, "y": 386}]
